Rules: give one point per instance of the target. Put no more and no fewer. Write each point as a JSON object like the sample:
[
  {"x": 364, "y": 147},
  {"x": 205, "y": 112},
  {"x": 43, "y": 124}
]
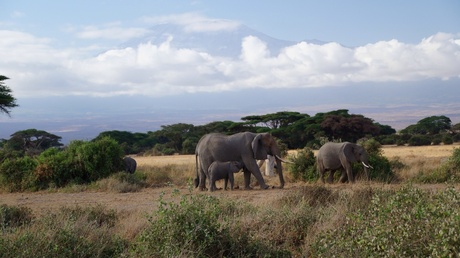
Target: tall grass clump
[
  {"x": 408, "y": 223},
  {"x": 70, "y": 232},
  {"x": 13, "y": 217},
  {"x": 196, "y": 226},
  {"x": 448, "y": 172}
]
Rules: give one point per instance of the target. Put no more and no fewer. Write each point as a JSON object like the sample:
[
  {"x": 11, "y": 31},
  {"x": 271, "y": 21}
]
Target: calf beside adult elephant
[
  {"x": 223, "y": 170},
  {"x": 243, "y": 147},
  {"x": 340, "y": 156}
]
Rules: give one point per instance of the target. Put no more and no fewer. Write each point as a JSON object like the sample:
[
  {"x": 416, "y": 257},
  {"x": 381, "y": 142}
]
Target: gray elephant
[
  {"x": 130, "y": 165},
  {"x": 223, "y": 170},
  {"x": 244, "y": 147},
  {"x": 339, "y": 156}
]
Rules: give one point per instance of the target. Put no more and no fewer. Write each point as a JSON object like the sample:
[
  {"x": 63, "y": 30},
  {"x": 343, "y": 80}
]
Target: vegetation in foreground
[{"x": 310, "y": 221}]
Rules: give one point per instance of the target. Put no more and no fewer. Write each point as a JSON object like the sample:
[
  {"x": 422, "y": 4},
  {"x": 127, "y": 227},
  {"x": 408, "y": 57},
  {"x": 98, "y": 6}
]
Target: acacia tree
[
  {"x": 7, "y": 101},
  {"x": 33, "y": 141}
]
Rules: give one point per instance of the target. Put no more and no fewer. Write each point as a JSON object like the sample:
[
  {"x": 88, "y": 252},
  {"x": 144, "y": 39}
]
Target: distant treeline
[{"x": 293, "y": 129}]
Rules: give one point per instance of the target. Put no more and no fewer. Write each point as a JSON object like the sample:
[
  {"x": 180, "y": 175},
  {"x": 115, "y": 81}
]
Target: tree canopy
[{"x": 7, "y": 101}]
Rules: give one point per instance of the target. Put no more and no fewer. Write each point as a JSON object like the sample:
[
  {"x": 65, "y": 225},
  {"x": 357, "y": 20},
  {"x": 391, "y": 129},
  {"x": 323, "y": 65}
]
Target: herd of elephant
[{"x": 219, "y": 156}]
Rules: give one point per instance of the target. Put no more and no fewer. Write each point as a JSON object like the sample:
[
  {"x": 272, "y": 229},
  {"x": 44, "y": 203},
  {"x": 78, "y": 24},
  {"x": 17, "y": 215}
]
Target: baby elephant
[{"x": 223, "y": 170}]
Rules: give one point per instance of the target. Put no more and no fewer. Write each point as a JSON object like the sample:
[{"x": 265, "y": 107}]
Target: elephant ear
[
  {"x": 258, "y": 147},
  {"x": 349, "y": 152}
]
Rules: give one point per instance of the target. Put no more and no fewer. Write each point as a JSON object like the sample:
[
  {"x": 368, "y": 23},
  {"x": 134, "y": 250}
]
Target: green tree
[
  {"x": 275, "y": 120},
  {"x": 33, "y": 141},
  {"x": 429, "y": 125},
  {"x": 7, "y": 101}
]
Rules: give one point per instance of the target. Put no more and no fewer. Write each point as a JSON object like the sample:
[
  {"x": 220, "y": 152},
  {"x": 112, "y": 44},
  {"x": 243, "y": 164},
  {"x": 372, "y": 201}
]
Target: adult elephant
[
  {"x": 340, "y": 156},
  {"x": 243, "y": 147}
]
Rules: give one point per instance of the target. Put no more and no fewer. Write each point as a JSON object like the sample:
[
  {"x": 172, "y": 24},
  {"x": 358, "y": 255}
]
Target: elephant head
[
  {"x": 265, "y": 144},
  {"x": 356, "y": 153}
]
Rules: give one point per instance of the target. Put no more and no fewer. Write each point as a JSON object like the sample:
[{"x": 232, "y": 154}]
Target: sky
[{"x": 73, "y": 50}]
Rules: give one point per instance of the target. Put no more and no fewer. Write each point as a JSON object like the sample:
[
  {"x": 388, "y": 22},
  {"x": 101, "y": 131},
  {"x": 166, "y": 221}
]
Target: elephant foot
[
  {"x": 265, "y": 187},
  {"x": 247, "y": 188}
]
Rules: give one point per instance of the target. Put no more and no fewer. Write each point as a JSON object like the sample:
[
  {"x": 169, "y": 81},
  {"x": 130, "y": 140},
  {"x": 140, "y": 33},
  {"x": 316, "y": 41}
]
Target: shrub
[
  {"x": 195, "y": 227},
  {"x": 419, "y": 140},
  {"x": 16, "y": 174},
  {"x": 14, "y": 216},
  {"x": 80, "y": 162},
  {"x": 409, "y": 223},
  {"x": 447, "y": 139},
  {"x": 303, "y": 165}
]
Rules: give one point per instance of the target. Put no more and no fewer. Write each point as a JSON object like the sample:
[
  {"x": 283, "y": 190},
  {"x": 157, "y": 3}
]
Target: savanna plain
[{"x": 301, "y": 220}]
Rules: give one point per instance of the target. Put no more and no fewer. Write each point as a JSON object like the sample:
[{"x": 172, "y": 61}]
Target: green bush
[
  {"x": 16, "y": 174},
  {"x": 80, "y": 162},
  {"x": 303, "y": 165},
  {"x": 409, "y": 223},
  {"x": 419, "y": 140},
  {"x": 197, "y": 226}
]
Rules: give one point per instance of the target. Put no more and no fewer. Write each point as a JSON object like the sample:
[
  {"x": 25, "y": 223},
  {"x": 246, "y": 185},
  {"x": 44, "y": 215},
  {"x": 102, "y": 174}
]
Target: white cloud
[
  {"x": 37, "y": 68},
  {"x": 111, "y": 32}
]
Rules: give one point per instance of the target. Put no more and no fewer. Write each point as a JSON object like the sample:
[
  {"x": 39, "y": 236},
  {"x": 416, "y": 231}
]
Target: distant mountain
[{"x": 220, "y": 43}]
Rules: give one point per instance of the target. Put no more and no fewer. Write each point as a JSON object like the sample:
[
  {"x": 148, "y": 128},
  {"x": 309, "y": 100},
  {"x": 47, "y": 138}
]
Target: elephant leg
[
  {"x": 247, "y": 179},
  {"x": 349, "y": 170},
  {"x": 232, "y": 181},
  {"x": 251, "y": 165},
  {"x": 343, "y": 177},
  {"x": 225, "y": 183},
  {"x": 330, "y": 180},
  {"x": 211, "y": 184},
  {"x": 204, "y": 165}
]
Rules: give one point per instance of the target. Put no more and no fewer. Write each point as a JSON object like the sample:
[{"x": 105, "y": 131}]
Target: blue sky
[
  {"x": 71, "y": 50},
  {"x": 352, "y": 23}
]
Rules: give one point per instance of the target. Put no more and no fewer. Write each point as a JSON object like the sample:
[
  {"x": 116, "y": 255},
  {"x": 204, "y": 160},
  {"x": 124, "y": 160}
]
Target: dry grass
[
  {"x": 418, "y": 159},
  {"x": 434, "y": 151}
]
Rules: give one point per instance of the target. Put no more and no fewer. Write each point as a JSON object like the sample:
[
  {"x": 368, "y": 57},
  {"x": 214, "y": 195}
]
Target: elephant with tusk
[
  {"x": 339, "y": 156},
  {"x": 245, "y": 147}
]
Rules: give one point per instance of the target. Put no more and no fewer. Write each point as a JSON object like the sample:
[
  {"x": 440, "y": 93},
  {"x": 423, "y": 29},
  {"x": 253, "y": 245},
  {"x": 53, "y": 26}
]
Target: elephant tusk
[
  {"x": 367, "y": 166},
  {"x": 285, "y": 161}
]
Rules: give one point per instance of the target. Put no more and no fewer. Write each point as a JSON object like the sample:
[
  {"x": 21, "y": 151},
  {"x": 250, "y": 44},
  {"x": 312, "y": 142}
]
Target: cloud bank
[{"x": 38, "y": 68}]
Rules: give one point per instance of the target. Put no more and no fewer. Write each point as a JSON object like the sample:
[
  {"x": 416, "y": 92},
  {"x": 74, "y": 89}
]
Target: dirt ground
[{"x": 147, "y": 199}]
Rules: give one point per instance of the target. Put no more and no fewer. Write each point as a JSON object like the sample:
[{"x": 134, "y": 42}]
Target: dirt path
[{"x": 147, "y": 200}]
